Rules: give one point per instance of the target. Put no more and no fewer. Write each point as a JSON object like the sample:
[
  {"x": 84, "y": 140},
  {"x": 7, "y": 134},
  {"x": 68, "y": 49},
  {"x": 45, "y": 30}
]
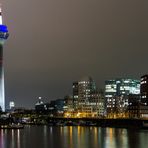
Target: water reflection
[
  {"x": 73, "y": 137},
  {"x": 115, "y": 137},
  {"x": 95, "y": 137},
  {"x": 12, "y": 138},
  {"x": 45, "y": 137},
  {"x": 1, "y": 138},
  {"x": 18, "y": 139}
]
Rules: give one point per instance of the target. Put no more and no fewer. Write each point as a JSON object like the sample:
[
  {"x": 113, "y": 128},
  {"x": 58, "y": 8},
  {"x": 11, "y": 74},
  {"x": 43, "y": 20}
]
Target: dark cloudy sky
[{"x": 55, "y": 42}]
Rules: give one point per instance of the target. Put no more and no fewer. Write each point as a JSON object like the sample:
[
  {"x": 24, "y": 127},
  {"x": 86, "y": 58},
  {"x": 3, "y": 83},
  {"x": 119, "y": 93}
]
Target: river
[{"x": 73, "y": 137}]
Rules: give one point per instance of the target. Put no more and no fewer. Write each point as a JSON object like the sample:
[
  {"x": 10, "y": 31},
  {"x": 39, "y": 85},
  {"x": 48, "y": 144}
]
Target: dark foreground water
[{"x": 73, "y": 137}]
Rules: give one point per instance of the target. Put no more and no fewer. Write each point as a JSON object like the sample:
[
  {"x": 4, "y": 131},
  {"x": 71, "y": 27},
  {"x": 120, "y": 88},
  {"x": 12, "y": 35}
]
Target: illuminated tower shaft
[{"x": 3, "y": 36}]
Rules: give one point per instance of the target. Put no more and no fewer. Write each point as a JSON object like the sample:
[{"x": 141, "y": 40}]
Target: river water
[{"x": 73, "y": 137}]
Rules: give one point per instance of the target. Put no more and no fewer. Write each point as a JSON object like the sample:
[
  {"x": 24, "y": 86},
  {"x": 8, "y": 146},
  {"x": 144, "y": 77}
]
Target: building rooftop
[{"x": 86, "y": 78}]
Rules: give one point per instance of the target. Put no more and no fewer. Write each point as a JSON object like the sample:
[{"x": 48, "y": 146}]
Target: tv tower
[{"x": 3, "y": 37}]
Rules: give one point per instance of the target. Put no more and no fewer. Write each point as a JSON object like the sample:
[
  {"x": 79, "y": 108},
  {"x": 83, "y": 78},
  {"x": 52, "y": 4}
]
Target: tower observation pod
[{"x": 3, "y": 37}]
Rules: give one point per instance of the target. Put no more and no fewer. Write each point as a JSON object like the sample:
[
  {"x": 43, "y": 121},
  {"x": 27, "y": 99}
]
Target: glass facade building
[
  {"x": 117, "y": 92},
  {"x": 119, "y": 87}
]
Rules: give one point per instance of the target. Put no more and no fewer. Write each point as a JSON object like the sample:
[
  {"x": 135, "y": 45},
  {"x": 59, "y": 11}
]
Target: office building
[
  {"x": 75, "y": 95},
  {"x": 86, "y": 97},
  {"x": 144, "y": 90},
  {"x": 144, "y": 97},
  {"x": 116, "y": 95},
  {"x": 86, "y": 91}
]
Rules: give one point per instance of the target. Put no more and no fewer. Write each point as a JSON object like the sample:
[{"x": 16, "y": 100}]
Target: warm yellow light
[{"x": 78, "y": 114}]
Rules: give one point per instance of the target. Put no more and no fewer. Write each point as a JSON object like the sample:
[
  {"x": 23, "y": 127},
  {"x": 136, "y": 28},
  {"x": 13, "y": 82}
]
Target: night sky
[{"x": 55, "y": 42}]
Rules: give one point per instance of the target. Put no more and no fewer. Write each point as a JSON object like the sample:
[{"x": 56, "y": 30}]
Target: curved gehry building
[{"x": 3, "y": 36}]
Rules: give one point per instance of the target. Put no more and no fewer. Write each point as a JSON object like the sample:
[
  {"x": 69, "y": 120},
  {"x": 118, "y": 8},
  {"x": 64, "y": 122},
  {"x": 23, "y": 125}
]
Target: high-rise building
[
  {"x": 121, "y": 86},
  {"x": 144, "y": 97},
  {"x": 86, "y": 90},
  {"x": 75, "y": 95},
  {"x": 116, "y": 94},
  {"x": 86, "y": 97},
  {"x": 134, "y": 106},
  {"x": 144, "y": 90},
  {"x": 3, "y": 36}
]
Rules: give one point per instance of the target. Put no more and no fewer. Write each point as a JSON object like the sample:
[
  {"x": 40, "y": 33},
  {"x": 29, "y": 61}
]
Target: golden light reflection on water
[
  {"x": 116, "y": 138},
  {"x": 61, "y": 130},
  {"x": 73, "y": 137},
  {"x": 78, "y": 135},
  {"x": 70, "y": 136},
  {"x": 79, "y": 131},
  {"x": 86, "y": 136},
  {"x": 70, "y": 131},
  {"x": 95, "y": 135},
  {"x": 111, "y": 140},
  {"x": 82, "y": 137}
]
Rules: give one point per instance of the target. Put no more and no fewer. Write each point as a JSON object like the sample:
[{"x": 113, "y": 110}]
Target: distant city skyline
[
  {"x": 53, "y": 43},
  {"x": 73, "y": 83}
]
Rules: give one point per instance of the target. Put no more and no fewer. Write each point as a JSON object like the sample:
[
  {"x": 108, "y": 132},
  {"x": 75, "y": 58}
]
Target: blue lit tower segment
[{"x": 3, "y": 36}]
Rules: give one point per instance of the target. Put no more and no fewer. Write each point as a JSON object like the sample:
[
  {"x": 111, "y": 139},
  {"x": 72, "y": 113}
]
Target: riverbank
[
  {"x": 100, "y": 122},
  {"x": 123, "y": 123}
]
